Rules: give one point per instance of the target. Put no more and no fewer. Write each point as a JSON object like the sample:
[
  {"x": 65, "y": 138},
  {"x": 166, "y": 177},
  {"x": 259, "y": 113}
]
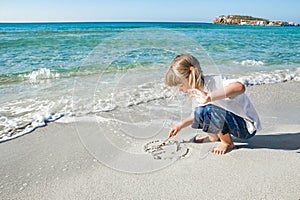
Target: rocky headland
[{"x": 249, "y": 20}]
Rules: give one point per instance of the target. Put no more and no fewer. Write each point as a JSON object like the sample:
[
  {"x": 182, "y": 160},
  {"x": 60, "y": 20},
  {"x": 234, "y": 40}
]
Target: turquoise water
[
  {"x": 50, "y": 70},
  {"x": 62, "y": 47}
]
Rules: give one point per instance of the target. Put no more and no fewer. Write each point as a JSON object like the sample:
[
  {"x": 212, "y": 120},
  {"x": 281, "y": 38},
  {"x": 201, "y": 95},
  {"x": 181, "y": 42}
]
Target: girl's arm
[
  {"x": 229, "y": 91},
  {"x": 175, "y": 129}
]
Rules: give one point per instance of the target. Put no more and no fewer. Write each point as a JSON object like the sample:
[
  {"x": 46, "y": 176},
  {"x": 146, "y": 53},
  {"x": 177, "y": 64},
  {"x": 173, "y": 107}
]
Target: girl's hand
[
  {"x": 174, "y": 130},
  {"x": 201, "y": 97}
]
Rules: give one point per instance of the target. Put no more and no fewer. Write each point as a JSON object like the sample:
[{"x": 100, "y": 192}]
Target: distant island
[{"x": 249, "y": 20}]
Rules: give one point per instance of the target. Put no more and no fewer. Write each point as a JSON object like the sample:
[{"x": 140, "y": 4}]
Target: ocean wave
[
  {"x": 40, "y": 74},
  {"x": 89, "y": 68},
  {"x": 277, "y": 76},
  {"x": 33, "y": 76},
  {"x": 250, "y": 63}
]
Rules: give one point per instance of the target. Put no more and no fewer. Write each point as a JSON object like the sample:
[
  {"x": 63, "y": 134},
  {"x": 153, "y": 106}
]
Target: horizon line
[{"x": 95, "y": 21}]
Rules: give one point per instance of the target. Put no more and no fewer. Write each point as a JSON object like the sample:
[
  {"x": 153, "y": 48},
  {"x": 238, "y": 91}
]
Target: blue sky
[{"x": 144, "y": 10}]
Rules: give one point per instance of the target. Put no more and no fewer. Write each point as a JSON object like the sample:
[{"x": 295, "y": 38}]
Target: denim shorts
[{"x": 213, "y": 119}]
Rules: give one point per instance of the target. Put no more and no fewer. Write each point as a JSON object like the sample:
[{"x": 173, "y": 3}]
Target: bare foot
[
  {"x": 222, "y": 148},
  {"x": 204, "y": 139}
]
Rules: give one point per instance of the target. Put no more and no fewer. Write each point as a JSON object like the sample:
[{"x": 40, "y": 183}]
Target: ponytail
[{"x": 195, "y": 78}]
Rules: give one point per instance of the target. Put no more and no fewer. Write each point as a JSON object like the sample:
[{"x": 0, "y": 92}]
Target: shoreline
[{"x": 53, "y": 163}]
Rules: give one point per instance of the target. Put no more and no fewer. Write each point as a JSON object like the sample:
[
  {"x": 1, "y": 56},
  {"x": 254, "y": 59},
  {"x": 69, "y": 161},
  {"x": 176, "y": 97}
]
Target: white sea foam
[
  {"x": 23, "y": 116},
  {"x": 40, "y": 74},
  {"x": 106, "y": 105},
  {"x": 278, "y": 76},
  {"x": 148, "y": 92},
  {"x": 250, "y": 63},
  {"x": 13, "y": 131}
]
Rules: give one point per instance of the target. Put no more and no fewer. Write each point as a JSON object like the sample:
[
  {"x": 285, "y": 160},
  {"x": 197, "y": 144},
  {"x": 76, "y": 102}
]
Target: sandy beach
[{"x": 53, "y": 163}]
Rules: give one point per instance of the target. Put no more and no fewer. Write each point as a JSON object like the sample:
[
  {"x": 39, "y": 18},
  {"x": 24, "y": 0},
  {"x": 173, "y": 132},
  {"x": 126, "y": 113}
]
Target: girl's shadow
[{"x": 285, "y": 141}]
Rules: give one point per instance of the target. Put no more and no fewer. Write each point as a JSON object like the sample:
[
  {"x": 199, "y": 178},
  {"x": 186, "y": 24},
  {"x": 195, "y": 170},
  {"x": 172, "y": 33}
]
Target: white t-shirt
[{"x": 239, "y": 105}]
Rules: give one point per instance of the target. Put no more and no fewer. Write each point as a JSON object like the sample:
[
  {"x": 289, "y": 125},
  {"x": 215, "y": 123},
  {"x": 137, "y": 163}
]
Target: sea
[{"x": 115, "y": 70}]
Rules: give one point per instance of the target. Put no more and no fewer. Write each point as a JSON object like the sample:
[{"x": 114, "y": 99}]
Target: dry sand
[{"x": 52, "y": 162}]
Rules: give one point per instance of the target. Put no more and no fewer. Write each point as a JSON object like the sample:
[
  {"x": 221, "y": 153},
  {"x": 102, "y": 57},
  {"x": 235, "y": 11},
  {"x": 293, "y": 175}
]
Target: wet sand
[{"x": 53, "y": 162}]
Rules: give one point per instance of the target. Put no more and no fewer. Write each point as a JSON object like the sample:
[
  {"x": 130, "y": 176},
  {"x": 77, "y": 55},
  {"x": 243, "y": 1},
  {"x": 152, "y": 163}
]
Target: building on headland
[
  {"x": 254, "y": 22},
  {"x": 249, "y": 20}
]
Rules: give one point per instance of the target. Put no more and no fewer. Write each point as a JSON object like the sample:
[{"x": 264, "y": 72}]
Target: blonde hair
[{"x": 185, "y": 66}]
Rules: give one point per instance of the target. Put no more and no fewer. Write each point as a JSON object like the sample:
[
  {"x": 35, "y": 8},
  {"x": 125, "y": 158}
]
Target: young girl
[{"x": 222, "y": 108}]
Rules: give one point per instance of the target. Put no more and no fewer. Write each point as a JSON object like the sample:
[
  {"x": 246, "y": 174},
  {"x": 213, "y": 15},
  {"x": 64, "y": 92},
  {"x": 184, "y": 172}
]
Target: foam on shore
[
  {"x": 277, "y": 76},
  {"x": 17, "y": 131},
  {"x": 107, "y": 97}
]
